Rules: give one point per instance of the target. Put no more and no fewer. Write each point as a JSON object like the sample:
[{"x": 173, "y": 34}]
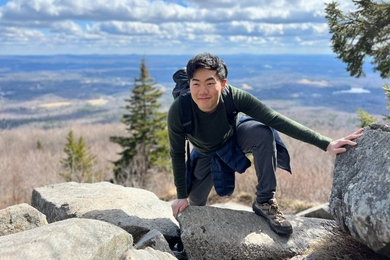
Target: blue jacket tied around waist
[{"x": 230, "y": 159}]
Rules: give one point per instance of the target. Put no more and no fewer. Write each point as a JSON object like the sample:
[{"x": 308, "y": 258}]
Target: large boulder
[
  {"x": 360, "y": 197},
  {"x": 69, "y": 239},
  {"x": 217, "y": 233},
  {"x": 19, "y": 218},
  {"x": 135, "y": 210}
]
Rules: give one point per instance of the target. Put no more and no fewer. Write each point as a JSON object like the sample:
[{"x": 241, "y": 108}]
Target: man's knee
[{"x": 252, "y": 134}]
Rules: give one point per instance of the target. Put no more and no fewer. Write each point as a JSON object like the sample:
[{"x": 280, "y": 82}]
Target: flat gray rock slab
[
  {"x": 68, "y": 239},
  {"x": 136, "y": 210},
  {"x": 216, "y": 233}
]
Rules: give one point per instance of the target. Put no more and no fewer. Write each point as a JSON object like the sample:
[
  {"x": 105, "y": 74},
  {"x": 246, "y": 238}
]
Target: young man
[{"x": 213, "y": 138}]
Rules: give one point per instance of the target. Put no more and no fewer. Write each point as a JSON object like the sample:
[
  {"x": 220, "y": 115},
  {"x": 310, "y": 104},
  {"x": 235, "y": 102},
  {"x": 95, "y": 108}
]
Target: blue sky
[{"x": 164, "y": 27}]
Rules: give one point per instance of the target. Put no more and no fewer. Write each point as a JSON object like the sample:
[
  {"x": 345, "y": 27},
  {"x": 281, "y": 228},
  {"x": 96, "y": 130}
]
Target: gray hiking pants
[{"x": 252, "y": 137}]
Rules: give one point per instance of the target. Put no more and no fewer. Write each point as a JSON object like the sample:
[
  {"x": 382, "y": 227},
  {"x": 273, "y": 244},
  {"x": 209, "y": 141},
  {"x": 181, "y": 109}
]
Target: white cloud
[
  {"x": 17, "y": 35},
  {"x": 126, "y": 28},
  {"x": 247, "y": 39},
  {"x": 225, "y": 26},
  {"x": 66, "y": 27}
]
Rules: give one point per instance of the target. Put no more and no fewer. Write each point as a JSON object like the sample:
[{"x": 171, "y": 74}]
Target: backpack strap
[
  {"x": 231, "y": 109},
  {"x": 186, "y": 112}
]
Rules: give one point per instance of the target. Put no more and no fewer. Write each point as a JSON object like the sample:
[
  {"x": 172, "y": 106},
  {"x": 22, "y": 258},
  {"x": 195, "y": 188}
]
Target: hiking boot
[{"x": 275, "y": 218}]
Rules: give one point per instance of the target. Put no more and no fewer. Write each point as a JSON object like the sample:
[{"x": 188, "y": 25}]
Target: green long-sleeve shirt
[{"x": 212, "y": 130}]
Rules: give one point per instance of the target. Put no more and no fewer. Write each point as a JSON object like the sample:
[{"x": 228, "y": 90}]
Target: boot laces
[{"x": 274, "y": 210}]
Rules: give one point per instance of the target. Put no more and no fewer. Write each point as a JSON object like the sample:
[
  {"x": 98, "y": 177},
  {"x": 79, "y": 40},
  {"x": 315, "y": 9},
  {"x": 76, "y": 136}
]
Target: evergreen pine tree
[
  {"x": 365, "y": 118},
  {"x": 361, "y": 34},
  {"x": 144, "y": 144},
  {"x": 78, "y": 163}
]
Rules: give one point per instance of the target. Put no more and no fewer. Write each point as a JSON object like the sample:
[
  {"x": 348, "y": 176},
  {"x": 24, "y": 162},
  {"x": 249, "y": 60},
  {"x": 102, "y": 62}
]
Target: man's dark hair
[{"x": 207, "y": 61}]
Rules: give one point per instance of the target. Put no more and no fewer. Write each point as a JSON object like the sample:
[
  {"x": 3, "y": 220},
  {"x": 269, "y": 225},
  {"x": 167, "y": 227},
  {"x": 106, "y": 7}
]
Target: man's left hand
[{"x": 337, "y": 146}]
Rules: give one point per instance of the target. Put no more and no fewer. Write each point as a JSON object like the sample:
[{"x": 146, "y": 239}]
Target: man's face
[{"x": 206, "y": 89}]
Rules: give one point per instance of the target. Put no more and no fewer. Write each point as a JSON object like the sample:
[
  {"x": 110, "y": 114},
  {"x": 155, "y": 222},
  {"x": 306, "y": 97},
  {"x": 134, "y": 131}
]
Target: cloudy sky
[{"x": 164, "y": 26}]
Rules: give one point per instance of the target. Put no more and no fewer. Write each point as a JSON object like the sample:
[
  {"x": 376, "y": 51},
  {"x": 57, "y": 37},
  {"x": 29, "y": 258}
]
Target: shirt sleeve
[
  {"x": 252, "y": 106},
  {"x": 176, "y": 135}
]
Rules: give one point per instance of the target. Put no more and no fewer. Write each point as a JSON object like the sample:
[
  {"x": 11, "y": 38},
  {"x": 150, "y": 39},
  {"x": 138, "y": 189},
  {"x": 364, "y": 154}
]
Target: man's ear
[{"x": 223, "y": 83}]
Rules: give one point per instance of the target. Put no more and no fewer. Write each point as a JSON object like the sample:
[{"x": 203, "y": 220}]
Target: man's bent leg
[
  {"x": 259, "y": 140},
  {"x": 202, "y": 182}
]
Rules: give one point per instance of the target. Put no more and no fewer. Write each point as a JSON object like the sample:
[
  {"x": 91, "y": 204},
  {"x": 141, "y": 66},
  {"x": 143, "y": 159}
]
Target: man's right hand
[{"x": 178, "y": 206}]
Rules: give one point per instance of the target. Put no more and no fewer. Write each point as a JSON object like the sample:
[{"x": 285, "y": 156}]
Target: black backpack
[{"x": 182, "y": 91}]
